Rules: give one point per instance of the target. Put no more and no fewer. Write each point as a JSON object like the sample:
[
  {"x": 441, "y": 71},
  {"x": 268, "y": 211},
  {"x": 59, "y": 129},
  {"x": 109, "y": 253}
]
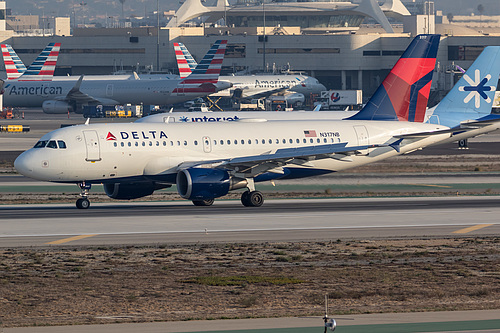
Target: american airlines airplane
[
  {"x": 252, "y": 86},
  {"x": 67, "y": 96},
  {"x": 206, "y": 161}
]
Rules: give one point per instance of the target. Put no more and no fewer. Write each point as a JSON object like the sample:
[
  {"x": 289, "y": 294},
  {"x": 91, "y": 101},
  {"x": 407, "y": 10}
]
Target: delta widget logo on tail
[{"x": 477, "y": 88}]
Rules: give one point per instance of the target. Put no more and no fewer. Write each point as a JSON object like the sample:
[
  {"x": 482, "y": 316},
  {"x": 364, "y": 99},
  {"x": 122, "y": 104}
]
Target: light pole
[
  {"x": 158, "y": 35},
  {"x": 264, "y": 37}
]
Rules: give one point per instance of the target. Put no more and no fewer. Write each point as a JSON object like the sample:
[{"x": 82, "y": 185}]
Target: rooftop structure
[{"x": 323, "y": 15}]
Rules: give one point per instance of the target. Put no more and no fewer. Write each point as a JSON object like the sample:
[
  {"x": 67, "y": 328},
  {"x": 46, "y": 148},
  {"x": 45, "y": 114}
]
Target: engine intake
[
  {"x": 204, "y": 184},
  {"x": 57, "y": 107}
]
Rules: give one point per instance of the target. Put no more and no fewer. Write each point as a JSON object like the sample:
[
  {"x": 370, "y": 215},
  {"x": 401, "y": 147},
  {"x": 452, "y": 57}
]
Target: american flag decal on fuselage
[{"x": 310, "y": 134}]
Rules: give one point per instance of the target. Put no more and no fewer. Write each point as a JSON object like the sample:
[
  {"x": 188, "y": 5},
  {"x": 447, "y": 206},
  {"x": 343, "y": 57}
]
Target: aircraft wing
[
  {"x": 247, "y": 94},
  {"x": 272, "y": 161},
  {"x": 75, "y": 95}
]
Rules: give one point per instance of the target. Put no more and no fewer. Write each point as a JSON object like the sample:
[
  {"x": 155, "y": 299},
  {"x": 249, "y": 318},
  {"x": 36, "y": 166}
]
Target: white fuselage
[
  {"x": 225, "y": 116},
  {"x": 251, "y": 85},
  {"x": 155, "y": 92},
  {"x": 120, "y": 152}
]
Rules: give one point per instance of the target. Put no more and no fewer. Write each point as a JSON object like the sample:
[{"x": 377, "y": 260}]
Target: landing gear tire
[
  {"x": 82, "y": 203},
  {"x": 252, "y": 199},
  {"x": 208, "y": 202}
]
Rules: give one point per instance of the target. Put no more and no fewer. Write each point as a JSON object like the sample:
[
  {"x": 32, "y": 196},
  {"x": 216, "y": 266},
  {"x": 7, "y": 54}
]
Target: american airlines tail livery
[
  {"x": 68, "y": 96},
  {"x": 42, "y": 69},
  {"x": 206, "y": 161},
  {"x": 251, "y": 86}
]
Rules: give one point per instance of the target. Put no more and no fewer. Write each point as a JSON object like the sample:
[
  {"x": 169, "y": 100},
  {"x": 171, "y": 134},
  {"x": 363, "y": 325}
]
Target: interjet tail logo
[{"x": 477, "y": 88}]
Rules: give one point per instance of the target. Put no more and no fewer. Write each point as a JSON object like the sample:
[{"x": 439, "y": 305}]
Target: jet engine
[
  {"x": 204, "y": 184},
  {"x": 127, "y": 191},
  {"x": 52, "y": 106}
]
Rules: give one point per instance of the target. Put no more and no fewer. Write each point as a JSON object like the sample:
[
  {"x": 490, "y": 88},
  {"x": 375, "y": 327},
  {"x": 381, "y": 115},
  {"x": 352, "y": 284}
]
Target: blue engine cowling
[{"x": 204, "y": 184}]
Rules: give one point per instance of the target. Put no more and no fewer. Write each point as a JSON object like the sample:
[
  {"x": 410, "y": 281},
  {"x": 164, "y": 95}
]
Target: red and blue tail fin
[
  {"x": 185, "y": 61},
  {"x": 42, "y": 69},
  {"x": 14, "y": 66},
  {"x": 206, "y": 75},
  {"x": 404, "y": 93}
]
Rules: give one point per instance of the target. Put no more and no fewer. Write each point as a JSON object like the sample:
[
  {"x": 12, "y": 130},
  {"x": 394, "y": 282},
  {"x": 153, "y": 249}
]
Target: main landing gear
[
  {"x": 251, "y": 197},
  {"x": 208, "y": 202},
  {"x": 83, "y": 202}
]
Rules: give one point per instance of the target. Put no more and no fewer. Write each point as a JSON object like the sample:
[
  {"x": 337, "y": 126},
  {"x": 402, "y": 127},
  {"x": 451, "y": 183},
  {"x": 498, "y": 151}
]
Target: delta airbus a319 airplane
[{"x": 206, "y": 161}]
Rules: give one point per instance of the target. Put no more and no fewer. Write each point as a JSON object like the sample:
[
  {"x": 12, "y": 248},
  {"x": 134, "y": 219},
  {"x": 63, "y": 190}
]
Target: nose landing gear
[{"x": 83, "y": 202}]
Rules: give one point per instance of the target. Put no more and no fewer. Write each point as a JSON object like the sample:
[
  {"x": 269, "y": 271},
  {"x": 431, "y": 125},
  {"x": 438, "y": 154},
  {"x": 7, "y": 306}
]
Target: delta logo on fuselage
[
  {"x": 142, "y": 135},
  {"x": 34, "y": 91}
]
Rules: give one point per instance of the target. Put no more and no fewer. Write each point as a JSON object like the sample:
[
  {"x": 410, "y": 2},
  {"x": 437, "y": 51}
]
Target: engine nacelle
[
  {"x": 127, "y": 191},
  {"x": 204, "y": 184},
  {"x": 57, "y": 107}
]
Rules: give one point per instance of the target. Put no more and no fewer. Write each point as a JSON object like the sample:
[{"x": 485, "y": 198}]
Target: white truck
[
  {"x": 340, "y": 99},
  {"x": 254, "y": 105}
]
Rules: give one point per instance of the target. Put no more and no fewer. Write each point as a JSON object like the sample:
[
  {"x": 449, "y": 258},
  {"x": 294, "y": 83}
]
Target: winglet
[
  {"x": 396, "y": 145},
  {"x": 404, "y": 93}
]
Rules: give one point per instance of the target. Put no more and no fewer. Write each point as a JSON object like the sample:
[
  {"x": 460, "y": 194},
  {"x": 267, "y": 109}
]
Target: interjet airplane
[
  {"x": 206, "y": 161},
  {"x": 68, "y": 96},
  {"x": 466, "y": 108}
]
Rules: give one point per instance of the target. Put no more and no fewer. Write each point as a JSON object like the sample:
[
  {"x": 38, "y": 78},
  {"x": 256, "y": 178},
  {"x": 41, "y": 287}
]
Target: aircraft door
[
  {"x": 207, "y": 144},
  {"x": 92, "y": 146},
  {"x": 363, "y": 139},
  {"x": 109, "y": 90}
]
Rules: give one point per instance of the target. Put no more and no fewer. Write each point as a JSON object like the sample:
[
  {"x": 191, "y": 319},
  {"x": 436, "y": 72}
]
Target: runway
[{"x": 228, "y": 221}]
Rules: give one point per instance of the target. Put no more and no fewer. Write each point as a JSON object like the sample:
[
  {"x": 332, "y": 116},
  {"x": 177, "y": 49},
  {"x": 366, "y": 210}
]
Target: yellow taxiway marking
[
  {"x": 430, "y": 185},
  {"x": 473, "y": 228},
  {"x": 66, "y": 240}
]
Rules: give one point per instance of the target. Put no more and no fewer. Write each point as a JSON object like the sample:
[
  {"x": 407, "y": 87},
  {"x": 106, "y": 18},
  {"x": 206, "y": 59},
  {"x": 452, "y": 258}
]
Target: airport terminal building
[{"x": 352, "y": 46}]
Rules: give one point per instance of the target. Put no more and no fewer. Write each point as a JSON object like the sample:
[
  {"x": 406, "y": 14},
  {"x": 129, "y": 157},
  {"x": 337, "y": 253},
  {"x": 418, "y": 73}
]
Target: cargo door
[
  {"x": 109, "y": 90},
  {"x": 207, "y": 144},
  {"x": 92, "y": 146}
]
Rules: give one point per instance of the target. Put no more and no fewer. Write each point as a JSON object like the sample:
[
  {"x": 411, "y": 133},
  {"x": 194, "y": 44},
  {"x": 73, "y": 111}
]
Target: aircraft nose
[
  {"x": 221, "y": 85},
  {"x": 24, "y": 164}
]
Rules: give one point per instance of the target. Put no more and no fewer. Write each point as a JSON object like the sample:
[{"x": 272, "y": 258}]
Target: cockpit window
[
  {"x": 52, "y": 144},
  {"x": 61, "y": 144},
  {"x": 40, "y": 144}
]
